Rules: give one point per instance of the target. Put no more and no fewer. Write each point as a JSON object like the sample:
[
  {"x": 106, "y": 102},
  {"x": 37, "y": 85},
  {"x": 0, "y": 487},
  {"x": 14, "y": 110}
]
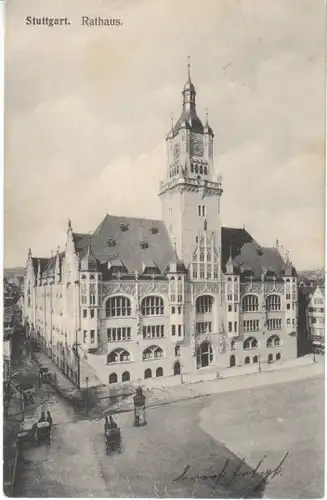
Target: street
[{"x": 217, "y": 446}]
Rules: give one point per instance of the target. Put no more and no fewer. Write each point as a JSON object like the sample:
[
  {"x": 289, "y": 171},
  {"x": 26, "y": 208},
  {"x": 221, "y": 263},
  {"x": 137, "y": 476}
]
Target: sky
[{"x": 87, "y": 110}]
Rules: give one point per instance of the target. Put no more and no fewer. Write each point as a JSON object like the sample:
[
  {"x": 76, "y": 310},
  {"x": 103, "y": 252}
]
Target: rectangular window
[
  {"x": 251, "y": 325},
  {"x": 203, "y": 327},
  {"x": 92, "y": 313},
  {"x": 235, "y": 308},
  {"x": 230, "y": 326},
  {"x": 288, "y": 322},
  {"x": 92, "y": 334},
  {"x": 84, "y": 313},
  {"x": 203, "y": 211},
  {"x": 179, "y": 310},
  {"x": 173, "y": 310},
  {"x": 274, "y": 324},
  {"x": 288, "y": 296},
  {"x": 199, "y": 210},
  {"x": 118, "y": 334},
  {"x": 229, "y": 308},
  {"x": 179, "y": 330},
  {"x": 235, "y": 297},
  {"x": 235, "y": 326},
  {"x": 230, "y": 296},
  {"x": 288, "y": 306},
  {"x": 84, "y": 336},
  {"x": 173, "y": 329}
]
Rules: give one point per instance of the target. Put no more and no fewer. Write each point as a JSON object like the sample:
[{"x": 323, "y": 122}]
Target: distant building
[
  {"x": 6, "y": 359},
  {"x": 316, "y": 319},
  {"x": 141, "y": 298}
]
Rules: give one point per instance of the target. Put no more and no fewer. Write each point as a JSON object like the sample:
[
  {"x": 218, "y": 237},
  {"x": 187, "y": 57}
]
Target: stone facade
[{"x": 140, "y": 298}]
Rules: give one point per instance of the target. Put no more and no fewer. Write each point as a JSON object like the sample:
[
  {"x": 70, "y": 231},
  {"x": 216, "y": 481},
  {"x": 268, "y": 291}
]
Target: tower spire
[{"x": 189, "y": 68}]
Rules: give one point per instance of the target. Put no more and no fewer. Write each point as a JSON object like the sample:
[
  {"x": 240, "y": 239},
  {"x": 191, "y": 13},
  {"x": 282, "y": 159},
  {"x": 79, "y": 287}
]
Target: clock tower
[{"x": 190, "y": 192}]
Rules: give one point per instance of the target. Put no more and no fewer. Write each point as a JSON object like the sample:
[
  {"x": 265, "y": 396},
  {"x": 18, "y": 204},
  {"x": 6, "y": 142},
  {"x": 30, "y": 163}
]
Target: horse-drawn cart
[{"x": 42, "y": 433}]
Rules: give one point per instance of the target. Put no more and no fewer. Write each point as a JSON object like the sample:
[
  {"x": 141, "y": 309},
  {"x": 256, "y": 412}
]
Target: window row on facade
[
  {"x": 113, "y": 377},
  {"x": 250, "y": 303}
]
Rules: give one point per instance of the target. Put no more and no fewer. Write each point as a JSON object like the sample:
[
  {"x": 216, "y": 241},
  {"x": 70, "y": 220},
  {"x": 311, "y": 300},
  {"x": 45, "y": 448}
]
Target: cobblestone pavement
[{"x": 224, "y": 433}]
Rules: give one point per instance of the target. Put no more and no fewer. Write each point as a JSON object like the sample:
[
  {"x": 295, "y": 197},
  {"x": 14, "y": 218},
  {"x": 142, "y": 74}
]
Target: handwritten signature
[{"x": 264, "y": 474}]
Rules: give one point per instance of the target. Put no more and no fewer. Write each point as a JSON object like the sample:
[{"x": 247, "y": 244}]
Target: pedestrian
[
  {"x": 113, "y": 424},
  {"x": 49, "y": 419},
  {"x": 106, "y": 424},
  {"x": 42, "y": 419}
]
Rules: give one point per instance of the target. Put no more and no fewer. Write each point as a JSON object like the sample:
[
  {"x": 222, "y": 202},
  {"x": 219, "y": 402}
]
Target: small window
[
  {"x": 92, "y": 313},
  {"x": 84, "y": 313},
  {"x": 229, "y": 308}
]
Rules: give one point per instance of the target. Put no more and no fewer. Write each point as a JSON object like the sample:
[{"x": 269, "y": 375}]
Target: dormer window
[
  {"x": 144, "y": 244},
  {"x": 123, "y": 227},
  {"x": 260, "y": 251},
  {"x": 111, "y": 242}
]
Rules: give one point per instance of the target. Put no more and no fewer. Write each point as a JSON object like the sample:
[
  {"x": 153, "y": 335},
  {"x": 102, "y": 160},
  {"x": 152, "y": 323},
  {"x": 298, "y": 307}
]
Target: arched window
[
  {"x": 177, "y": 368},
  {"x": 152, "y": 306},
  {"x": 278, "y": 356},
  {"x": 177, "y": 350},
  {"x": 83, "y": 277},
  {"x": 270, "y": 358},
  {"x": 119, "y": 356},
  {"x": 204, "y": 304},
  {"x": 159, "y": 372},
  {"x": 125, "y": 377},
  {"x": 152, "y": 352},
  {"x": 232, "y": 361},
  {"x": 247, "y": 360},
  {"x": 204, "y": 355},
  {"x": 255, "y": 359},
  {"x": 113, "y": 378},
  {"x": 118, "y": 307},
  {"x": 273, "y": 341},
  {"x": 250, "y": 343},
  {"x": 148, "y": 373},
  {"x": 250, "y": 303},
  {"x": 273, "y": 303}
]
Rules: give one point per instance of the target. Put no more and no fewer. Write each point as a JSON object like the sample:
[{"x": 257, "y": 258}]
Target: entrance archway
[
  {"x": 232, "y": 361},
  {"x": 204, "y": 355},
  {"x": 177, "y": 368}
]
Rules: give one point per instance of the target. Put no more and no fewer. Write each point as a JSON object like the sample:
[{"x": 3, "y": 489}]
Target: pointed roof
[
  {"x": 89, "y": 261},
  {"x": 189, "y": 118},
  {"x": 123, "y": 237},
  {"x": 248, "y": 255},
  {"x": 207, "y": 129}
]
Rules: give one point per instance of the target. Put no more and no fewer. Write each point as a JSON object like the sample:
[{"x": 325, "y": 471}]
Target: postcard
[{"x": 164, "y": 200}]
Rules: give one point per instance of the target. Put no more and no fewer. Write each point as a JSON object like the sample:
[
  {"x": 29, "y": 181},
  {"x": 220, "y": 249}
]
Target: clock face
[
  {"x": 176, "y": 151},
  {"x": 197, "y": 145}
]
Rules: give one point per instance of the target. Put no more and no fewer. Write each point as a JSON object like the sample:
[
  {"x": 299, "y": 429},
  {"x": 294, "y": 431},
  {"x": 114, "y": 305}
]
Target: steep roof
[
  {"x": 133, "y": 241},
  {"x": 247, "y": 254}
]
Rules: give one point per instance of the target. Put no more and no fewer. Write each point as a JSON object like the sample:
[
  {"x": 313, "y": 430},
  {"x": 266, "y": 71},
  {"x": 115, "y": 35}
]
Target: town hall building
[{"x": 140, "y": 299}]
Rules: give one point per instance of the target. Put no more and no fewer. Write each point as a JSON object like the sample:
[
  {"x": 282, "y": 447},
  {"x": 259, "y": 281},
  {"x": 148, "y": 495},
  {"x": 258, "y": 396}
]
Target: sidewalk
[
  {"x": 95, "y": 402},
  {"x": 290, "y": 372},
  {"x": 11, "y": 425}
]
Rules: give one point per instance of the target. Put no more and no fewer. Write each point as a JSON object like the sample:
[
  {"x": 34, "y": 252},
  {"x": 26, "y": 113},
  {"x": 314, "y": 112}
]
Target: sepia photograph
[{"x": 164, "y": 243}]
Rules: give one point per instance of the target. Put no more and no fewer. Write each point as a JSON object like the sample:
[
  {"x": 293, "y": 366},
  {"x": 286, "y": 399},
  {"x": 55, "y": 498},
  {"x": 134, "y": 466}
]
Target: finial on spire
[
  {"x": 69, "y": 224},
  {"x": 189, "y": 67},
  {"x": 207, "y": 118},
  {"x": 277, "y": 243}
]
